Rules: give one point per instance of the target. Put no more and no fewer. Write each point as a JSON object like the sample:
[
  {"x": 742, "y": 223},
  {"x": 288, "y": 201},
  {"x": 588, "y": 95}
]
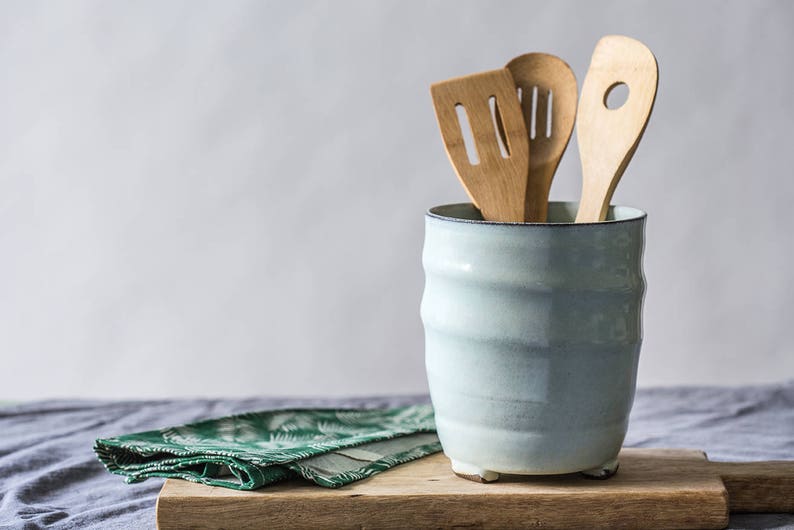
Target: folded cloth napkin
[{"x": 331, "y": 447}]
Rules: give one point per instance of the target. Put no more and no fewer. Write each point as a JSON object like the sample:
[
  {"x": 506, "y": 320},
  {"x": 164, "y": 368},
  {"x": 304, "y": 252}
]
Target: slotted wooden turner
[
  {"x": 554, "y": 85},
  {"x": 497, "y": 183},
  {"x": 608, "y": 137}
]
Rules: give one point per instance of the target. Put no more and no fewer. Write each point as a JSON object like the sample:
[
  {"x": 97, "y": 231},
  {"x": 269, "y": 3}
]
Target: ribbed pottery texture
[{"x": 532, "y": 335}]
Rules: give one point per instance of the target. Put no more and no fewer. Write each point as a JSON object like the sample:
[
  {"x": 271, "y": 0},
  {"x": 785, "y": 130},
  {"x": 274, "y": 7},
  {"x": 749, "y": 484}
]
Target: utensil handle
[
  {"x": 593, "y": 206},
  {"x": 758, "y": 486}
]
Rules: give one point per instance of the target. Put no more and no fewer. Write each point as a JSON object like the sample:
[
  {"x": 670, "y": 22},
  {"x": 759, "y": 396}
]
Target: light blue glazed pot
[{"x": 532, "y": 334}]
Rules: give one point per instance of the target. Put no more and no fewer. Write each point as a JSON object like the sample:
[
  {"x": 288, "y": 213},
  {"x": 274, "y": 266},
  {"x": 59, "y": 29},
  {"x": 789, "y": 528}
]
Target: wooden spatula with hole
[
  {"x": 608, "y": 137},
  {"x": 548, "y": 92},
  {"x": 496, "y": 183}
]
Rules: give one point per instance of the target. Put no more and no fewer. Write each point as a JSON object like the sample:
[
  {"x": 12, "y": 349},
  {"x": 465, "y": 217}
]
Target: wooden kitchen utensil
[
  {"x": 608, "y": 137},
  {"x": 654, "y": 488},
  {"x": 496, "y": 183},
  {"x": 547, "y": 85}
]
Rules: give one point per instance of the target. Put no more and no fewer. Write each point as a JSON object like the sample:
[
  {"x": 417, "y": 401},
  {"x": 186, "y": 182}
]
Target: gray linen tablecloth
[{"x": 49, "y": 476}]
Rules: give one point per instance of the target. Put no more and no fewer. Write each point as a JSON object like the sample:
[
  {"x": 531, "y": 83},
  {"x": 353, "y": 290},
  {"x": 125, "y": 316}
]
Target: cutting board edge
[{"x": 690, "y": 510}]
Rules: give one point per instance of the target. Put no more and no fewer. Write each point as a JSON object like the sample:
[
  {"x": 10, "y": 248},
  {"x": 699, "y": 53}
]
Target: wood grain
[
  {"x": 654, "y": 488},
  {"x": 608, "y": 137},
  {"x": 497, "y": 183},
  {"x": 551, "y": 77},
  {"x": 758, "y": 486}
]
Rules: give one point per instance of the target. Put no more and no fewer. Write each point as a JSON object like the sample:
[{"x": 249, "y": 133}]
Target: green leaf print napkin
[{"x": 330, "y": 447}]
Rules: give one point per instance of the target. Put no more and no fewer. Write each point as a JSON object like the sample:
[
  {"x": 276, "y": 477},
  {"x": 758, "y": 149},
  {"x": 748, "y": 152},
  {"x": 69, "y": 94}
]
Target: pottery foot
[
  {"x": 604, "y": 471},
  {"x": 472, "y": 472}
]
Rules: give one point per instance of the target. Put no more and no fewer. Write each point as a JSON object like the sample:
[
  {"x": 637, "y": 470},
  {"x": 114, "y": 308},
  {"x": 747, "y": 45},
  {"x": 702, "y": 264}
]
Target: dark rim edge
[{"x": 430, "y": 213}]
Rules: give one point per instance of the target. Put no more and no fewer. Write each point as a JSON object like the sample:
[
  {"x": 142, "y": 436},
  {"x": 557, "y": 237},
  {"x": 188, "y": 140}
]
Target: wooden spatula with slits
[
  {"x": 548, "y": 100},
  {"x": 496, "y": 182},
  {"x": 608, "y": 137}
]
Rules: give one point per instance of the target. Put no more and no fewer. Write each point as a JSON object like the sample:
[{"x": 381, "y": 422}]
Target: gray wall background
[{"x": 226, "y": 198}]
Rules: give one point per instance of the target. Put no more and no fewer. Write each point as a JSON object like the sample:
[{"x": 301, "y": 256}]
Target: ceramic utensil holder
[{"x": 532, "y": 334}]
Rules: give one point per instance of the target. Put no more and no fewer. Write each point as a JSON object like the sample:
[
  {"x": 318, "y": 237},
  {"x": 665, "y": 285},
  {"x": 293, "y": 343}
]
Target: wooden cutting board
[{"x": 654, "y": 488}]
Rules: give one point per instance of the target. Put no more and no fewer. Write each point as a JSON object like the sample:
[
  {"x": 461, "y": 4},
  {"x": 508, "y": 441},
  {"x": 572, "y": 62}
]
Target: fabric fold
[{"x": 331, "y": 447}]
